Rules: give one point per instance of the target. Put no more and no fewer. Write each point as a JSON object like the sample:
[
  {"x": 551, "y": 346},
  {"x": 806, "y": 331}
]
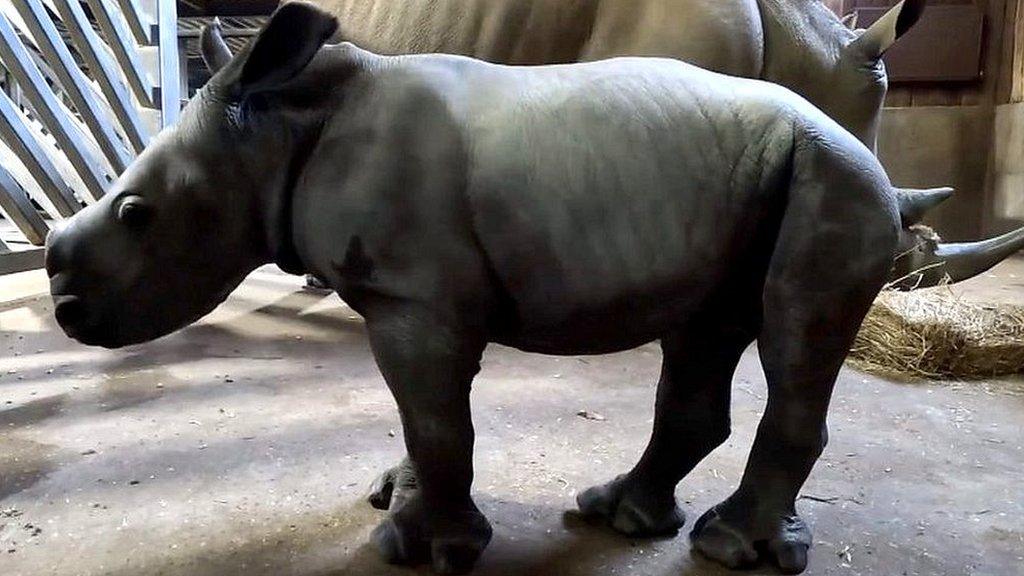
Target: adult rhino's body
[
  {"x": 562, "y": 209},
  {"x": 800, "y": 44}
]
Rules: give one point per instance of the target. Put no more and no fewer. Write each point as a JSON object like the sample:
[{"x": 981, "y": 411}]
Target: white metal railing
[{"x": 74, "y": 104}]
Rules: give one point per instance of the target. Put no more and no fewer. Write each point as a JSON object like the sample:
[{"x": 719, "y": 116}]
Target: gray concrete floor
[{"x": 244, "y": 445}]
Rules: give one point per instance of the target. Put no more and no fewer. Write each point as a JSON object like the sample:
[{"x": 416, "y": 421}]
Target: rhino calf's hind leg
[
  {"x": 821, "y": 282},
  {"x": 691, "y": 419},
  {"x": 429, "y": 367}
]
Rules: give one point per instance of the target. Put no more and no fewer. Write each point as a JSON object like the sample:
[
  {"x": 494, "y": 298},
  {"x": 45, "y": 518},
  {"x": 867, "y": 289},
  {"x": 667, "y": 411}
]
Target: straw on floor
[{"x": 933, "y": 333}]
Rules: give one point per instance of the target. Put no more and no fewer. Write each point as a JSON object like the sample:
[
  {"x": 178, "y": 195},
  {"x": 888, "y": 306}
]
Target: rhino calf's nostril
[{"x": 69, "y": 310}]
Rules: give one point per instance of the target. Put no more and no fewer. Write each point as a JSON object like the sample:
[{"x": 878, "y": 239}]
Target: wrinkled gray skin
[{"x": 576, "y": 209}]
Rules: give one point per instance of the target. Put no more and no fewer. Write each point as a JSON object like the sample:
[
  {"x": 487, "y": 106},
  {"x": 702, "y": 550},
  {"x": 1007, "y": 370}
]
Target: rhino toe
[
  {"x": 631, "y": 509},
  {"x": 735, "y": 540},
  {"x": 451, "y": 540},
  {"x": 391, "y": 489}
]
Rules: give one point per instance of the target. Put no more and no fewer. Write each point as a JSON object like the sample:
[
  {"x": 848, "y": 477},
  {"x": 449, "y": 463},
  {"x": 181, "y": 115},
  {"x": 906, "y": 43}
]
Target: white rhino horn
[
  {"x": 215, "y": 50},
  {"x": 887, "y": 30},
  {"x": 964, "y": 260}
]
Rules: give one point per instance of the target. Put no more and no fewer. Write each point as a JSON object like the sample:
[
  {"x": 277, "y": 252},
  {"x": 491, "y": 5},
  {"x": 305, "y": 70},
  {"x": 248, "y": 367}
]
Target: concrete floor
[{"x": 244, "y": 445}]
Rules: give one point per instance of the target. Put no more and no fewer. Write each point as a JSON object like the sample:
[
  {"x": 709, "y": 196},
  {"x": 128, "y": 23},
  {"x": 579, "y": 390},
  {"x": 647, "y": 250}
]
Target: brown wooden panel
[
  {"x": 937, "y": 96},
  {"x": 1011, "y": 71},
  {"x": 944, "y": 46},
  {"x": 899, "y": 97}
]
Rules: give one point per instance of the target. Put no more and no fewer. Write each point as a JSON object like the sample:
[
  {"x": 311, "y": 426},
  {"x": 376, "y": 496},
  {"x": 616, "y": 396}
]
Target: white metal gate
[{"x": 84, "y": 84}]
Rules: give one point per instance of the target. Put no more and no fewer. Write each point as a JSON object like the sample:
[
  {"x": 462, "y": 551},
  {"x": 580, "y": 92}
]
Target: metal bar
[
  {"x": 19, "y": 63},
  {"x": 75, "y": 84},
  {"x": 29, "y": 150},
  {"x": 21, "y": 261},
  {"x": 170, "y": 63},
  {"x": 81, "y": 132},
  {"x": 227, "y": 33},
  {"x": 228, "y": 7},
  {"x": 133, "y": 16},
  {"x": 103, "y": 71},
  {"x": 17, "y": 206},
  {"x": 124, "y": 50}
]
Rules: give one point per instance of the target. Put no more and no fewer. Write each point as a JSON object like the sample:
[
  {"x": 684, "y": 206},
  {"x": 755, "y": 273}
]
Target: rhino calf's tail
[{"x": 924, "y": 260}]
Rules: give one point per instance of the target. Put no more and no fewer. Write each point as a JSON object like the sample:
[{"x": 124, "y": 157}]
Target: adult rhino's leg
[
  {"x": 429, "y": 365},
  {"x": 691, "y": 419},
  {"x": 822, "y": 280}
]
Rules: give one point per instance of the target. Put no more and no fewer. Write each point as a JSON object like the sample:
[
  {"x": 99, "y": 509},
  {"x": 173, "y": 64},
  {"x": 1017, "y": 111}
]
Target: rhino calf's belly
[{"x": 618, "y": 327}]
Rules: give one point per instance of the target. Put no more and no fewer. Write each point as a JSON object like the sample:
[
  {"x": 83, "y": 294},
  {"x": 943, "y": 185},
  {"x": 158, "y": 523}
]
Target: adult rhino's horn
[
  {"x": 960, "y": 261},
  {"x": 888, "y": 29},
  {"x": 914, "y": 203},
  {"x": 215, "y": 50}
]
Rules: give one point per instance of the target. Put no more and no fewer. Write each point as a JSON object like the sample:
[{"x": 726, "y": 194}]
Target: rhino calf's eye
[{"x": 134, "y": 214}]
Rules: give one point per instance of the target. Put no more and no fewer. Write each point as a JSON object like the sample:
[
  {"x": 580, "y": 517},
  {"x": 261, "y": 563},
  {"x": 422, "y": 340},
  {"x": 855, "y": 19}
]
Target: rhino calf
[{"x": 575, "y": 209}]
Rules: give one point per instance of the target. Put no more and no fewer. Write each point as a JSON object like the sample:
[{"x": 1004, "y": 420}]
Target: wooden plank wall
[
  {"x": 997, "y": 83},
  {"x": 1010, "y": 88}
]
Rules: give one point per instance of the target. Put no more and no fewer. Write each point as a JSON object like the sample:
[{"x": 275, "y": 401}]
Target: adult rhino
[
  {"x": 576, "y": 209},
  {"x": 800, "y": 44}
]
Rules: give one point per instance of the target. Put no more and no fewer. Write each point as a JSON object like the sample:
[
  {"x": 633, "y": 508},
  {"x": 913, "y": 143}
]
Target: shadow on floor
[{"x": 312, "y": 546}]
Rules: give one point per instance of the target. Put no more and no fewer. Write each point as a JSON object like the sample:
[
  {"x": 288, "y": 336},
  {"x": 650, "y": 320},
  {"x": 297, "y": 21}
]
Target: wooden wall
[
  {"x": 964, "y": 134},
  {"x": 1002, "y": 55},
  {"x": 1010, "y": 87}
]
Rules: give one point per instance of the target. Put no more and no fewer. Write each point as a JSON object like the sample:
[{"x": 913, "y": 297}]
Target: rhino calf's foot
[
  {"x": 631, "y": 508},
  {"x": 735, "y": 536},
  {"x": 392, "y": 488},
  {"x": 451, "y": 540}
]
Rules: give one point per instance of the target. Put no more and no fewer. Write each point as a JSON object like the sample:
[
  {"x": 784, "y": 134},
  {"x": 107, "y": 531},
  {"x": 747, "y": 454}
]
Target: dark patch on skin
[{"x": 357, "y": 266}]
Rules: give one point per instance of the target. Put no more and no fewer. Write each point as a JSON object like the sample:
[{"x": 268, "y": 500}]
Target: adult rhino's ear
[
  {"x": 874, "y": 42},
  {"x": 850, "y": 20},
  {"x": 215, "y": 50},
  {"x": 282, "y": 49}
]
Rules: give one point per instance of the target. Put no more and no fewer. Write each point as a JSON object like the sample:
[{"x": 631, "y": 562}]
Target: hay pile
[{"x": 932, "y": 333}]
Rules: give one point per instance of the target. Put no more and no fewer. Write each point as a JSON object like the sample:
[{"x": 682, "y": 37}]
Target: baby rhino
[{"x": 576, "y": 209}]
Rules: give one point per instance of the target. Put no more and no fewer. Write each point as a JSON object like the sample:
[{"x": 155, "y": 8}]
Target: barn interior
[{"x": 245, "y": 444}]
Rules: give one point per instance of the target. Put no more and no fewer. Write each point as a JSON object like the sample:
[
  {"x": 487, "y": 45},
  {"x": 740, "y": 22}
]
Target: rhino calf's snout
[
  {"x": 55, "y": 260},
  {"x": 69, "y": 309}
]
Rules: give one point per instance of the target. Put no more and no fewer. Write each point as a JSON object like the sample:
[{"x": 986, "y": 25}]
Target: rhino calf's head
[{"x": 200, "y": 208}]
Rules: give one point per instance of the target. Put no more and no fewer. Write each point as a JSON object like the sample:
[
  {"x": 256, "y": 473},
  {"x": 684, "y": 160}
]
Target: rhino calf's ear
[
  {"x": 284, "y": 47},
  {"x": 216, "y": 53}
]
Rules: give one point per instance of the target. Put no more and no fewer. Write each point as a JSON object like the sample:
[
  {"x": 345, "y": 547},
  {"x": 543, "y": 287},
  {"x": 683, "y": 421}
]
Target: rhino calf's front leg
[{"x": 429, "y": 365}]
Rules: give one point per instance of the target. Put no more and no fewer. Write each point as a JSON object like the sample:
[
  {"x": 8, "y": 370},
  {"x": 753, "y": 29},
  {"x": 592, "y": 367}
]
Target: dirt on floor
[{"x": 244, "y": 446}]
